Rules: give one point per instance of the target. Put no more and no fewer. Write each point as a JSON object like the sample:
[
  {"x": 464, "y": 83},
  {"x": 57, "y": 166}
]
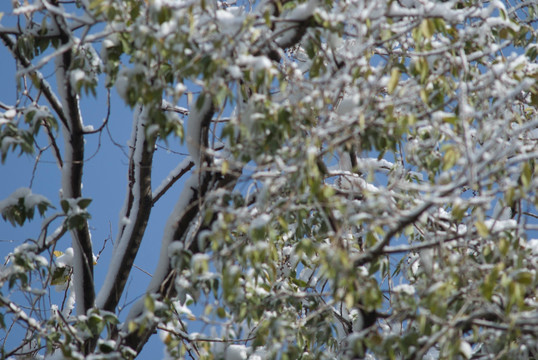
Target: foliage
[{"x": 364, "y": 181}]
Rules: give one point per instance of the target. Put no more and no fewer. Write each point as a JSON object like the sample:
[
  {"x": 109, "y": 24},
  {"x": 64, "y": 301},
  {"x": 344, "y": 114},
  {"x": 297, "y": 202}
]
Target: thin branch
[
  {"x": 41, "y": 83},
  {"x": 187, "y": 338},
  {"x": 378, "y": 248},
  {"x": 55, "y": 149},
  {"x": 174, "y": 176},
  {"x": 107, "y": 117}
]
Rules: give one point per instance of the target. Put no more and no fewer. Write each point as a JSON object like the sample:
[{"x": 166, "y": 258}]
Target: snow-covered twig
[{"x": 172, "y": 177}]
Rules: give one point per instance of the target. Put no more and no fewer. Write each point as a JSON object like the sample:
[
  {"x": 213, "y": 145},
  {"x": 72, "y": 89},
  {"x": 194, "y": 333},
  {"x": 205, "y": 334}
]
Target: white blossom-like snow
[
  {"x": 30, "y": 199},
  {"x": 66, "y": 259},
  {"x": 230, "y": 20},
  {"x": 236, "y": 352},
  {"x": 122, "y": 83},
  {"x": 10, "y": 114},
  {"x": 76, "y": 75},
  {"x": 256, "y": 63},
  {"x": 500, "y": 225},
  {"x": 260, "y": 221},
  {"x": 404, "y": 288},
  {"x": 532, "y": 244},
  {"x": 466, "y": 349}
]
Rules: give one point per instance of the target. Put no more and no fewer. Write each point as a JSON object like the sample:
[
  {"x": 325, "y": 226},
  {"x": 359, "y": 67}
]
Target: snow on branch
[
  {"x": 183, "y": 210},
  {"x": 181, "y": 169},
  {"x": 73, "y": 135},
  {"x": 199, "y": 117},
  {"x": 180, "y": 223},
  {"x": 291, "y": 29},
  {"x": 134, "y": 215}
]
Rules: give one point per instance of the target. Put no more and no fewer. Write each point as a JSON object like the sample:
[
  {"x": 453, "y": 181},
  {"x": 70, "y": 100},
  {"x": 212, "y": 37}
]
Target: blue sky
[{"x": 104, "y": 181}]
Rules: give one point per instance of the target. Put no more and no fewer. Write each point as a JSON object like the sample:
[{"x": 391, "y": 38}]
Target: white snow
[
  {"x": 259, "y": 354},
  {"x": 349, "y": 104},
  {"x": 10, "y": 114},
  {"x": 152, "y": 130},
  {"x": 66, "y": 259},
  {"x": 13, "y": 199},
  {"x": 404, "y": 288},
  {"x": 532, "y": 244},
  {"x": 234, "y": 71},
  {"x": 465, "y": 349},
  {"x": 256, "y": 63},
  {"x": 179, "y": 89},
  {"x": 122, "y": 83},
  {"x": 75, "y": 76},
  {"x": 199, "y": 259},
  {"x": 500, "y": 225},
  {"x": 236, "y": 352},
  {"x": 69, "y": 302},
  {"x": 230, "y": 20},
  {"x": 30, "y": 199},
  {"x": 27, "y": 9},
  {"x": 260, "y": 221},
  {"x": 374, "y": 164},
  {"x": 183, "y": 309},
  {"x": 304, "y": 10}
]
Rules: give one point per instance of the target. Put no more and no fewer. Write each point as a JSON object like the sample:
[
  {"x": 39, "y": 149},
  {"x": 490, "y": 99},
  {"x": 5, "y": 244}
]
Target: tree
[{"x": 361, "y": 178}]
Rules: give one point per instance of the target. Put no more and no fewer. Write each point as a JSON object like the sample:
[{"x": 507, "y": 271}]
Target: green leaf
[
  {"x": 149, "y": 303},
  {"x": 427, "y": 27},
  {"x": 534, "y": 99},
  {"x": 482, "y": 228},
  {"x": 524, "y": 277},
  {"x": 65, "y": 206},
  {"x": 393, "y": 81},
  {"x": 60, "y": 276},
  {"x": 450, "y": 158},
  {"x": 526, "y": 175},
  {"x": 84, "y": 203},
  {"x": 221, "y": 312},
  {"x": 96, "y": 324}
]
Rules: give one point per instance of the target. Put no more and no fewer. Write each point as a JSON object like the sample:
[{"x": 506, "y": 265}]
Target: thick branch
[
  {"x": 72, "y": 177},
  {"x": 186, "y": 210},
  {"x": 163, "y": 283},
  {"x": 134, "y": 216}
]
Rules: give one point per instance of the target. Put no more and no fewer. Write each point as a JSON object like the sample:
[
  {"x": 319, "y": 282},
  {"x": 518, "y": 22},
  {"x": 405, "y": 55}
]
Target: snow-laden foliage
[{"x": 362, "y": 178}]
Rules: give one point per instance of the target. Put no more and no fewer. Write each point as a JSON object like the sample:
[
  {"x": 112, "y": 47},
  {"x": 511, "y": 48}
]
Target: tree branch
[
  {"x": 72, "y": 177},
  {"x": 39, "y": 79},
  {"x": 134, "y": 216}
]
